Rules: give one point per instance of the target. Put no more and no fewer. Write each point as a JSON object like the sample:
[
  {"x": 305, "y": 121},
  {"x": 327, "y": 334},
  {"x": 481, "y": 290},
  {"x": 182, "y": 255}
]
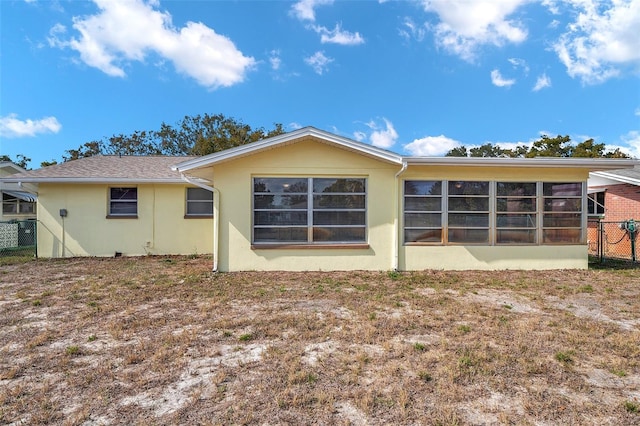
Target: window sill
[
  {"x": 352, "y": 246},
  {"x": 123, "y": 216},
  {"x": 196, "y": 216}
]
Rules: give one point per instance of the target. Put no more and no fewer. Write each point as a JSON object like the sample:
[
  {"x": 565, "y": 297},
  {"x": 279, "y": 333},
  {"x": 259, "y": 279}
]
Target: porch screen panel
[
  {"x": 516, "y": 207},
  {"x": 562, "y": 213},
  {"x": 422, "y": 211},
  {"x": 468, "y": 212}
]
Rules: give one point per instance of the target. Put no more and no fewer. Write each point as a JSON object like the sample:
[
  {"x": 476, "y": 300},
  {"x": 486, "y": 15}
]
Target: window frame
[
  {"x": 111, "y": 200},
  {"x": 191, "y": 202},
  {"x": 595, "y": 206},
  {"x": 10, "y": 200},
  {"x": 308, "y": 213},
  {"x": 566, "y": 235}
]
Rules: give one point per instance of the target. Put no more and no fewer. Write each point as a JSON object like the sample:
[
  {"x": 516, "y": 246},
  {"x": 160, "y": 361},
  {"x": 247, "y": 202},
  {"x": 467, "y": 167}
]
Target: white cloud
[
  {"x": 465, "y": 25},
  {"x": 12, "y": 127},
  {"x": 637, "y": 112},
  {"x": 319, "y": 62},
  {"x": 274, "y": 59},
  {"x": 125, "y": 31},
  {"x": 411, "y": 30},
  {"x": 294, "y": 125},
  {"x": 552, "y": 6},
  {"x": 383, "y": 137},
  {"x": 602, "y": 41},
  {"x": 338, "y": 36},
  {"x": 431, "y": 146},
  {"x": 498, "y": 80},
  {"x": 542, "y": 82},
  {"x": 632, "y": 143},
  {"x": 519, "y": 63},
  {"x": 304, "y": 10},
  {"x": 359, "y": 136}
]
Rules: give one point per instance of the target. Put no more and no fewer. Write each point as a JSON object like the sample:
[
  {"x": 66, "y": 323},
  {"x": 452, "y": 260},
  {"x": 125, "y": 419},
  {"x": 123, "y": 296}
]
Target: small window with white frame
[
  {"x": 123, "y": 202},
  {"x": 199, "y": 203},
  {"x": 595, "y": 203}
]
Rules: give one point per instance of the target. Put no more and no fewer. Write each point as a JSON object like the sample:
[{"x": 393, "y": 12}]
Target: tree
[
  {"x": 488, "y": 150},
  {"x": 88, "y": 149},
  {"x": 560, "y": 146},
  {"x": 20, "y": 160},
  {"x": 193, "y": 135},
  {"x": 459, "y": 151},
  {"x": 551, "y": 147},
  {"x": 48, "y": 163}
]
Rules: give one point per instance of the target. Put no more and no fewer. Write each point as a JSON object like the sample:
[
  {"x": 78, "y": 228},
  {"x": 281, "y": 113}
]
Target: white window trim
[{"x": 110, "y": 214}]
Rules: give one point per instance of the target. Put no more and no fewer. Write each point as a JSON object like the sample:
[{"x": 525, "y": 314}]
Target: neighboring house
[
  {"x": 18, "y": 203},
  {"x": 312, "y": 200},
  {"x": 614, "y": 195}
]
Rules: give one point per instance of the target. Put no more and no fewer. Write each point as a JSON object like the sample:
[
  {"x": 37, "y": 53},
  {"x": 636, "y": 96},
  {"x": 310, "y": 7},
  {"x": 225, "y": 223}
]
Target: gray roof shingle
[{"x": 108, "y": 168}]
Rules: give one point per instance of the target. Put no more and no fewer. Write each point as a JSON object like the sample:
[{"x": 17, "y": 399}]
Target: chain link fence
[
  {"x": 18, "y": 238},
  {"x": 613, "y": 240}
]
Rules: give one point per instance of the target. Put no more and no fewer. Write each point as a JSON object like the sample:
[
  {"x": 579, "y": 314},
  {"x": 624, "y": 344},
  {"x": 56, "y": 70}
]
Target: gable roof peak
[{"x": 286, "y": 139}]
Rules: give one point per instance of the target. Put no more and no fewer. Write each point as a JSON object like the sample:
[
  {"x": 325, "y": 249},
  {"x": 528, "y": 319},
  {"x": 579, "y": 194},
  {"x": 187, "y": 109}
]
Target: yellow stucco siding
[
  {"x": 305, "y": 159},
  {"x": 524, "y": 174},
  {"x": 160, "y": 227}
]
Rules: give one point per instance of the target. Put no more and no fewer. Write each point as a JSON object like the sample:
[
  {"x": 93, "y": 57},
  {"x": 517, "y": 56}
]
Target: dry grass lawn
[{"x": 162, "y": 340}]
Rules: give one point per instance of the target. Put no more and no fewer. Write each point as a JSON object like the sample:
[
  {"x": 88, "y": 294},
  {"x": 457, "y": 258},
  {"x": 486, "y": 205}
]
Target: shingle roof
[
  {"x": 107, "y": 168},
  {"x": 631, "y": 176}
]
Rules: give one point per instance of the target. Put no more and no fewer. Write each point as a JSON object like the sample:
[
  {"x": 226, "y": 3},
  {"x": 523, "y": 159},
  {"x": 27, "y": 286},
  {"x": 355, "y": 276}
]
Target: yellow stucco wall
[
  {"x": 307, "y": 159},
  {"x": 384, "y": 206},
  {"x": 159, "y": 229}
]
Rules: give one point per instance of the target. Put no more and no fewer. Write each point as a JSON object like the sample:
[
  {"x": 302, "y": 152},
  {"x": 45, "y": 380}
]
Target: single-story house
[
  {"x": 312, "y": 200},
  {"x": 18, "y": 203}
]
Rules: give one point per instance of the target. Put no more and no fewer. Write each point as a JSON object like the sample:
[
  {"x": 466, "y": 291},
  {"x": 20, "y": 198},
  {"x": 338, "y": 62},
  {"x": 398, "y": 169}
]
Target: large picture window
[
  {"x": 309, "y": 210},
  {"x": 487, "y": 213},
  {"x": 123, "y": 202}
]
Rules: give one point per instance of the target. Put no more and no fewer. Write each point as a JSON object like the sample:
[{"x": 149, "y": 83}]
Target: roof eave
[
  {"x": 89, "y": 180},
  {"x": 618, "y": 178},
  {"x": 545, "y": 162}
]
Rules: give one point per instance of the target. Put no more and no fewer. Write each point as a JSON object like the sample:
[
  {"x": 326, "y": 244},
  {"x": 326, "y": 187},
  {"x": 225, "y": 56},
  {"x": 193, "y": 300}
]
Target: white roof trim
[
  {"x": 573, "y": 162},
  {"x": 9, "y": 179},
  {"x": 618, "y": 178},
  {"x": 284, "y": 139}
]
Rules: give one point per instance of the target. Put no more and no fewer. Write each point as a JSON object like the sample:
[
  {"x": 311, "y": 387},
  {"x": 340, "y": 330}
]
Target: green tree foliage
[
  {"x": 559, "y": 146},
  {"x": 48, "y": 163},
  {"x": 488, "y": 150},
  {"x": 20, "y": 160},
  {"x": 459, "y": 151},
  {"x": 193, "y": 135}
]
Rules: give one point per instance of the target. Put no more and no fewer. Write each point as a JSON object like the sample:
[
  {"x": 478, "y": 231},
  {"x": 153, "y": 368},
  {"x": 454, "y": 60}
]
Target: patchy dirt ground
[{"x": 162, "y": 340}]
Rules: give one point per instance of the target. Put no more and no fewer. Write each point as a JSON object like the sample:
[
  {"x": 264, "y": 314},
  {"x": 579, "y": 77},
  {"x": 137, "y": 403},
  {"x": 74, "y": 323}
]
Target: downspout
[
  {"x": 216, "y": 214},
  {"x": 396, "y": 220}
]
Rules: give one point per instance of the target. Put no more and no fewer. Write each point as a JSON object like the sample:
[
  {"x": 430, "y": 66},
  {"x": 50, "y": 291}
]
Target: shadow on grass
[{"x": 611, "y": 264}]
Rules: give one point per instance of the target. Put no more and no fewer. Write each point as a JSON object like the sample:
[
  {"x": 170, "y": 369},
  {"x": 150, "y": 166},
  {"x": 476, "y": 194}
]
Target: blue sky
[{"x": 414, "y": 77}]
